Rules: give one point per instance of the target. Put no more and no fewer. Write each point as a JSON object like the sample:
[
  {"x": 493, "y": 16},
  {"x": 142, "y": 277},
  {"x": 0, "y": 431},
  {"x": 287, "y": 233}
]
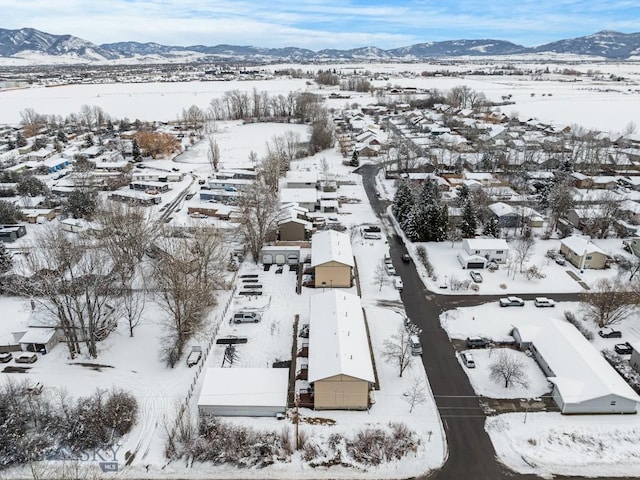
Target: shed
[
  {"x": 332, "y": 258},
  {"x": 37, "y": 339},
  {"x": 280, "y": 255},
  {"x": 340, "y": 363},
  {"x": 583, "y": 381},
  {"x": 10, "y": 233},
  {"x": 244, "y": 392}
]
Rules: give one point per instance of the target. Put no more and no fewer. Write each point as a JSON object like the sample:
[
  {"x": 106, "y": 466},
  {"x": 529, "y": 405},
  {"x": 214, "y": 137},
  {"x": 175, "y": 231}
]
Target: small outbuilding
[
  {"x": 280, "y": 255},
  {"x": 243, "y": 392},
  {"x": 38, "y": 339}
]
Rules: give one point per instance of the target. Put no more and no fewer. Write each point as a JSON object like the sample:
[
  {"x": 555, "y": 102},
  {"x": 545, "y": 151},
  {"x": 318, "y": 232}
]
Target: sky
[{"x": 318, "y": 24}]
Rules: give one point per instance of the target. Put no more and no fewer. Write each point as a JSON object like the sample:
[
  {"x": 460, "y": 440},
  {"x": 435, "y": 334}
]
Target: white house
[
  {"x": 244, "y": 392},
  {"x": 493, "y": 249},
  {"x": 583, "y": 381},
  {"x": 304, "y": 197}
]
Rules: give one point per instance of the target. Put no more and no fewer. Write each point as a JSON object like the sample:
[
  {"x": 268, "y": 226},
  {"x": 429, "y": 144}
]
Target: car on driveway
[
  {"x": 26, "y": 358},
  {"x": 511, "y": 302},
  {"x": 467, "y": 359},
  {"x": 560, "y": 260},
  {"x": 6, "y": 357},
  {"x": 397, "y": 283},
  {"x": 372, "y": 236},
  {"x": 475, "y": 276},
  {"x": 623, "y": 348},
  {"x": 390, "y": 269},
  {"x": 609, "y": 333},
  {"x": 246, "y": 317},
  {"x": 477, "y": 342},
  {"x": 544, "y": 302}
]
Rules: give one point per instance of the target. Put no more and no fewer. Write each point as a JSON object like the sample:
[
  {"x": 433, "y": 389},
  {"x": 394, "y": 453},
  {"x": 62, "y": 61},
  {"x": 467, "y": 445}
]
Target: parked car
[
  {"x": 477, "y": 342},
  {"x": 26, "y": 358},
  {"x": 609, "y": 333},
  {"x": 246, "y": 317},
  {"x": 194, "y": 356},
  {"x": 372, "y": 229},
  {"x": 372, "y": 236},
  {"x": 397, "y": 283},
  {"x": 544, "y": 302},
  {"x": 623, "y": 348},
  {"x": 6, "y": 357},
  {"x": 406, "y": 258},
  {"x": 511, "y": 302},
  {"x": 467, "y": 359},
  {"x": 475, "y": 276},
  {"x": 560, "y": 260},
  {"x": 390, "y": 269},
  {"x": 416, "y": 346}
]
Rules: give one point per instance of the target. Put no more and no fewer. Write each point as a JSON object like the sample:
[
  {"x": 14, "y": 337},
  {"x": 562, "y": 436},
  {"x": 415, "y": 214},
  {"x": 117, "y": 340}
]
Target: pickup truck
[{"x": 194, "y": 356}]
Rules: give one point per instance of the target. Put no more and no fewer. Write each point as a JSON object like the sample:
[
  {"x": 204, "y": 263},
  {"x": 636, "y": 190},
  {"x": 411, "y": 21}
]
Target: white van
[
  {"x": 416, "y": 347},
  {"x": 467, "y": 359}
]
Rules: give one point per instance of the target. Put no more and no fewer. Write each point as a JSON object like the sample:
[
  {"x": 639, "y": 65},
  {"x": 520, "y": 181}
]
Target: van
[{"x": 414, "y": 343}]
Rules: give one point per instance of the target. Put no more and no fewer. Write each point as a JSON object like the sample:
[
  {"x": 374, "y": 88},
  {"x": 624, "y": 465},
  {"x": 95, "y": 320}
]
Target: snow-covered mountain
[{"x": 28, "y": 43}]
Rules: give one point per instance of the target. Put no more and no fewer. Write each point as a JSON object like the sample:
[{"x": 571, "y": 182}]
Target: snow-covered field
[{"x": 604, "y": 105}]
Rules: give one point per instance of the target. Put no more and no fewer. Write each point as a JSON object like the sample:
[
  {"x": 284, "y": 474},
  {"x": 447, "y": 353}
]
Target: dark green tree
[
  {"x": 9, "y": 213},
  {"x": 462, "y": 195},
  {"x": 20, "y": 140},
  {"x": 82, "y": 203},
  {"x": 6, "y": 261},
  {"x": 135, "y": 151},
  {"x": 61, "y": 136},
  {"x": 491, "y": 228},
  {"x": 402, "y": 202},
  {"x": 469, "y": 220},
  {"x": 354, "y": 159},
  {"x": 30, "y": 186}
]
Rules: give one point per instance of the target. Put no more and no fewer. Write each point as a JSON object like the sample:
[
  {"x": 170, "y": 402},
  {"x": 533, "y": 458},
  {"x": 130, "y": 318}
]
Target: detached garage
[
  {"x": 244, "y": 392},
  {"x": 280, "y": 255},
  {"x": 38, "y": 340}
]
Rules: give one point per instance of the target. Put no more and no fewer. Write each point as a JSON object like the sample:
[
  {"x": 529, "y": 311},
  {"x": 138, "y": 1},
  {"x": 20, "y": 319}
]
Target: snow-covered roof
[
  {"x": 245, "y": 387},
  {"x": 630, "y": 206},
  {"x": 338, "y": 343},
  {"x": 331, "y": 246},
  {"x": 302, "y": 176},
  {"x": 485, "y": 244},
  {"x": 580, "y": 372},
  {"x": 38, "y": 335},
  {"x": 298, "y": 195},
  {"x": 580, "y": 245},
  {"x": 500, "y": 209}
]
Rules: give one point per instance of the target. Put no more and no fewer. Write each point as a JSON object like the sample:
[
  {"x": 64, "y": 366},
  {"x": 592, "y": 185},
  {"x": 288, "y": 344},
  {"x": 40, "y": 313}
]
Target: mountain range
[{"x": 32, "y": 44}]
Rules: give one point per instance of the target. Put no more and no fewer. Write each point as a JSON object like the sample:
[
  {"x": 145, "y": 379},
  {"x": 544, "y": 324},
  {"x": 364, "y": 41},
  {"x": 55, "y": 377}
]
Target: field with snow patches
[{"x": 597, "y": 104}]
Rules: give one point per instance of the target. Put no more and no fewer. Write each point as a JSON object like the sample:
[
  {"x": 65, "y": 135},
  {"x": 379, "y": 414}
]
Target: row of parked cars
[
  {"x": 25, "y": 357},
  {"x": 519, "y": 302}
]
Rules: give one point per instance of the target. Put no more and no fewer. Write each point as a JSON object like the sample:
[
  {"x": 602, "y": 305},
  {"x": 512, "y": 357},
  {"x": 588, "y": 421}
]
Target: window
[
  {"x": 477, "y": 252},
  {"x": 499, "y": 252},
  {"x": 613, "y": 402},
  {"x": 589, "y": 257}
]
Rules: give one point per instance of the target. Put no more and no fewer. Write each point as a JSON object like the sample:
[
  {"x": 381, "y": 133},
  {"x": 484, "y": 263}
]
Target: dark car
[
  {"x": 372, "y": 229},
  {"x": 609, "y": 333},
  {"x": 623, "y": 348},
  {"x": 477, "y": 342},
  {"x": 5, "y": 357},
  {"x": 406, "y": 258}
]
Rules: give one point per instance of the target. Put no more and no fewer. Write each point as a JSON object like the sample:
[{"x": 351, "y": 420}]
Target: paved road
[{"x": 471, "y": 454}]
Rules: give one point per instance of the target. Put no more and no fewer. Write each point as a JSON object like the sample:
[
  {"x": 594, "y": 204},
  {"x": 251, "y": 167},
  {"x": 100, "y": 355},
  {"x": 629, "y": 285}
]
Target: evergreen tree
[
  {"x": 20, "y": 140},
  {"x": 6, "y": 261},
  {"x": 135, "y": 151},
  {"x": 428, "y": 193},
  {"x": 403, "y": 202},
  {"x": 82, "y": 203},
  {"x": 462, "y": 195},
  {"x": 61, "y": 136},
  {"x": 491, "y": 228},
  {"x": 415, "y": 224},
  {"x": 469, "y": 222},
  {"x": 354, "y": 159}
]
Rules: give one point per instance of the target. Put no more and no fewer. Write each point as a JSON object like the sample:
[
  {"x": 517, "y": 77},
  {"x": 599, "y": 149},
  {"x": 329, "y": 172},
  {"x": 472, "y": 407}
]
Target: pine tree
[
  {"x": 469, "y": 222},
  {"x": 403, "y": 202},
  {"x": 491, "y": 228},
  {"x": 6, "y": 261},
  {"x": 462, "y": 195},
  {"x": 135, "y": 151},
  {"x": 428, "y": 193},
  {"x": 354, "y": 159}
]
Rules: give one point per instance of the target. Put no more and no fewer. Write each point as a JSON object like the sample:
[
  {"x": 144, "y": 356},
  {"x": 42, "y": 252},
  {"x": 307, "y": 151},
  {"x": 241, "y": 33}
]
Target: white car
[
  {"x": 397, "y": 283},
  {"x": 390, "y": 269},
  {"x": 511, "y": 302},
  {"x": 372, "y": 236},
  {"x": 544, "y": 302},
  {"x": 467, "y": 359}
]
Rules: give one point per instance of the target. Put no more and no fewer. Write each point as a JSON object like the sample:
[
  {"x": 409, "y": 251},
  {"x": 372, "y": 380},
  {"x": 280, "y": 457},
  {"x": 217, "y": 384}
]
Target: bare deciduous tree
[
  {"x": 397, "y": 349},
  {"x": 509, "y": 370},
  {"x": 259, "y": 215},
  {"x": 213, "y": 154},
  {"x": 522, "y": 250},
  {"x": 608, "y": 303},
  {"x": 416, "y": 394},
  {"x": 379, "y": 276}
]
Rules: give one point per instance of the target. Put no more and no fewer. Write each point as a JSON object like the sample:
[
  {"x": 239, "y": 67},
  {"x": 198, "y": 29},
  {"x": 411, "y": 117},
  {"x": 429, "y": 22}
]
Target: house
[
  {"x": 492, "y": 249},
  {"x": 340, "y": 367},
  {"x": 631, "y": 209},
  {"x": 580, "y": 180},
  {"x": 294, "y": 229},
  {"x": 506, "y": 215},
  {"x": 280, "y": 255},
  {"x": 304, "y": 197},
  {"x": 136, "y": 198},
  {"x": 243, "y": 392},
  {"x": 332, "y": 259},
  {"x": 157, "y": 187},
  {"x": 11, "y": 233},
  {"x": 74, "y": 225},
  {"x": 583, "y": 381},
  {"x": 38, "y": 215},
  {"x": 582, "y": 253},
  {"x": 302, "y": 179},
  {"x": 38, "y": 339}
]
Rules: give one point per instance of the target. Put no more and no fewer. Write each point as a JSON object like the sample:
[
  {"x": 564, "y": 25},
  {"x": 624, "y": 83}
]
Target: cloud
[{"x": 320, "y": 24}]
